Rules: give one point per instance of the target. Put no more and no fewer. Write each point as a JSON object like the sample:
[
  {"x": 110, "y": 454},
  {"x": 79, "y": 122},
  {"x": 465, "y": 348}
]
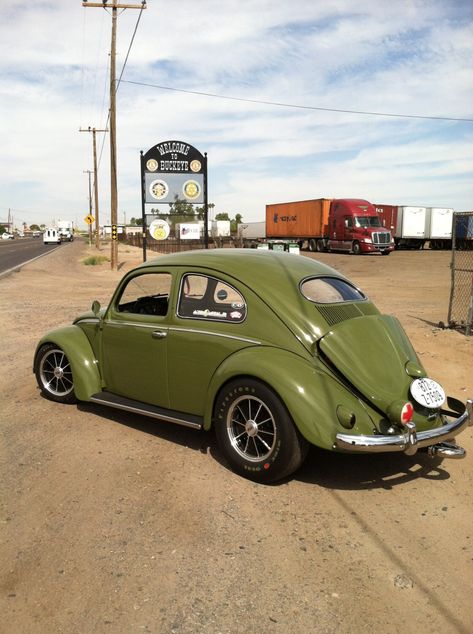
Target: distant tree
[
  {"x": 136, "y": 222},
  {"x": 34, "y": 228},
  {"x": 222, "y": 216},
  {"x": 181, "y": 208},
  {"x": 2, "y": 229}
]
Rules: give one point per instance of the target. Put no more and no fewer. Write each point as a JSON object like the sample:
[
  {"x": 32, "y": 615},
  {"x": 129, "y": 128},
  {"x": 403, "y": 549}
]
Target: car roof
[{"x": 251, "y": 266}]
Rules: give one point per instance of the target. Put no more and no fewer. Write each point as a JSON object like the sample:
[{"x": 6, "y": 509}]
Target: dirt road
[{"x": 115, "y": 523}]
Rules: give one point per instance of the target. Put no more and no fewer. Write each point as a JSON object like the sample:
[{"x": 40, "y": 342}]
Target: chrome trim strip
[
  {"x": 214, "y": 334},
  {"x": 158, "y": 326},
  {"x": 408, "y": 442},
  {"x": 137, "y": 410}
]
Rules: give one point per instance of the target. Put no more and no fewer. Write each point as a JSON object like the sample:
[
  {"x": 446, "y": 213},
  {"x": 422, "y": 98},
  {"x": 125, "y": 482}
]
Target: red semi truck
[{"x": 329, "y": 225}]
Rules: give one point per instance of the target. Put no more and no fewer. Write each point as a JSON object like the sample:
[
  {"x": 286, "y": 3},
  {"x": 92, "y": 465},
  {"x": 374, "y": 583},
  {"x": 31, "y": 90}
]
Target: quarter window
[
  {"x": 205, "y": 297},
  {"x": 330, "y": 290}
]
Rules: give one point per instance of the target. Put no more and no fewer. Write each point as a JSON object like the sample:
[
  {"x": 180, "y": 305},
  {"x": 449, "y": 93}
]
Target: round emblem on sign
[
  {"x": 159, "y": 229},
  {"x": 159, "y": 189},
  {"x": 191, "y": 189},
  {"x": 152, "y": 165},
  {"x": 196, "y": 165}
]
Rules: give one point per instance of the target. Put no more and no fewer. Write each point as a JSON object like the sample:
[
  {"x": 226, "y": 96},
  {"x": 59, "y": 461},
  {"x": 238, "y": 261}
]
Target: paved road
[{"x": 14, "y": 253}]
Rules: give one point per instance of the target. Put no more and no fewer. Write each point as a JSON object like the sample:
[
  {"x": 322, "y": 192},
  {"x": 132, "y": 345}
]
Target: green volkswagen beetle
[{"x": 275, "y": 351}]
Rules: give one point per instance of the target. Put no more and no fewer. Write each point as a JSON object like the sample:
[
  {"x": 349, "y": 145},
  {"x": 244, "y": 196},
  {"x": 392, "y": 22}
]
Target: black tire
[
  {"x": 320, "y": 246},
  {"x": 385, "y": 252},
  {"x": 312, "y": 245},
  {"x": 54, "y": 374},
  {"x": 356, "y": 248},
  {"x": 255, "y": 432}
]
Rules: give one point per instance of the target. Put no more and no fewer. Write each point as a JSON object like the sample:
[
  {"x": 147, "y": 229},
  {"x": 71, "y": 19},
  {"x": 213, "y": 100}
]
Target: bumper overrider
[{"x": 436, "y": 440}]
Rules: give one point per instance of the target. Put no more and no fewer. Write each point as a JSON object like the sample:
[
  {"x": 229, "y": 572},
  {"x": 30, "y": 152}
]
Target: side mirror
[{"x": 96, "y": 307}]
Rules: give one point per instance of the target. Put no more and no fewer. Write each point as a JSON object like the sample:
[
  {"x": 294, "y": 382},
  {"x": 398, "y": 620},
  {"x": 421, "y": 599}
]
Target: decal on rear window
[{"x": 205, "y": 297}]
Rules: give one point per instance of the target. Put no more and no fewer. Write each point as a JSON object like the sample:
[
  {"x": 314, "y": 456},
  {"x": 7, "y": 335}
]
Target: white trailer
[
  {"x": 440, "y": 227},
  {"x": 250, "y": 233},
  {"x": 411, "y": 227}
]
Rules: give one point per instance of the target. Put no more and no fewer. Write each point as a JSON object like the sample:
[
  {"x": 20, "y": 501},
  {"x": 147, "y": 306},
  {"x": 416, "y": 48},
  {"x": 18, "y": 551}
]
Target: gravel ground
[{"x": 111, "y": 522}]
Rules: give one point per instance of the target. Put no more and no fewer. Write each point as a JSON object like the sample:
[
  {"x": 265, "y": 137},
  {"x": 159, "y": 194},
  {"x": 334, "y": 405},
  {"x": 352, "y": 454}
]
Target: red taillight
[{"x": 407, "y": 412}]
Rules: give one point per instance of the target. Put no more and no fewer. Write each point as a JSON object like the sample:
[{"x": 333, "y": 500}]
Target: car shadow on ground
[
  {"x": 322, "y": 468},
  {"x": 376, "y": 471}
]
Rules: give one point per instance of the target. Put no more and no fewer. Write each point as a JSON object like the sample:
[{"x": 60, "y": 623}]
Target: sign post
[{"x": 172, "y": 171}]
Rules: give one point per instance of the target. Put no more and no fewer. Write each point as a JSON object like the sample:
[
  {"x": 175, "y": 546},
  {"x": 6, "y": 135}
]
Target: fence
[{"x": 460, "y": 310}]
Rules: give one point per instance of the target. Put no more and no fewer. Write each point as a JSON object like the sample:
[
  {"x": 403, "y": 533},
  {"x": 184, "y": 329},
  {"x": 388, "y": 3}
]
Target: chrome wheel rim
[
  {"x": 56, "y": 374},
  {"x": 251, "y": 428}
]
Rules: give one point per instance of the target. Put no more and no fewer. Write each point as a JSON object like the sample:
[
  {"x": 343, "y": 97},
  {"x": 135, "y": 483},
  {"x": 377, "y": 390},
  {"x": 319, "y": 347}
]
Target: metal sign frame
[{"x": 173, "y": 170}]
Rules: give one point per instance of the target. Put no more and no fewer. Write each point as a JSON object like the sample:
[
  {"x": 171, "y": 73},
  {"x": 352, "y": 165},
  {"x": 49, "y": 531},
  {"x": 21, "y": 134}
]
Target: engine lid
[{"x": 374, "y": 354}]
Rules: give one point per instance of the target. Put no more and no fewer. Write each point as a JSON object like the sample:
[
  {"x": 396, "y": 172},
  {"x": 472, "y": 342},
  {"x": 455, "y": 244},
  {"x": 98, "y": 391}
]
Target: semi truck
[
  {"x": 413, "y": 227},
  {"x": 65, "y": 230},
  {"x": 323, "y": 224}
]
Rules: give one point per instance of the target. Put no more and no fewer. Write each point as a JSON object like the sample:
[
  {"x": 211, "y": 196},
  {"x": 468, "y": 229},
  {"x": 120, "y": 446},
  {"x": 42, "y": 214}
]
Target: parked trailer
[
  {"x": 322, "y": 224},
  {"x": 252, "y": 230},
  {"x": 440, "y": 227},
  {"x": 412, "y": 227}
]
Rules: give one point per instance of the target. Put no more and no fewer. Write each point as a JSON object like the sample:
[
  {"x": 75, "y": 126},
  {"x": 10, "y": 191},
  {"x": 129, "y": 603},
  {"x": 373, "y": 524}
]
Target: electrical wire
[
  {"x": 121, "y": 75},
  {"x": 297, "y": 106}
]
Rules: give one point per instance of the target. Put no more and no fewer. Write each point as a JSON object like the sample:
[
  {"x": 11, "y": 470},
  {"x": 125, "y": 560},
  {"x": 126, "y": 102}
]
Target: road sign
[{"x": 89, "y": 219}]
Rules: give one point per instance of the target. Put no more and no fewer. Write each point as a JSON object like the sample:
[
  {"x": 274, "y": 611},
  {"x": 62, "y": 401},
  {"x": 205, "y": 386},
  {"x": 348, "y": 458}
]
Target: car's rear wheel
[
  {"x": 256, "y": 433},
  {"x": 54, "y": 374}
]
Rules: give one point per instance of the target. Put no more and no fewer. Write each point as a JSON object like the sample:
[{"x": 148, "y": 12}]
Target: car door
[
  {"x": 134, "y": 339},
  {"x": 209, "y": 326}
]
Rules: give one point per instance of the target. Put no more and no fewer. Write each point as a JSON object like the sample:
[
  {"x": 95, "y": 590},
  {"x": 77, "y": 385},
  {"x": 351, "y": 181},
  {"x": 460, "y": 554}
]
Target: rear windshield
[{"x": 330, "y": 290}]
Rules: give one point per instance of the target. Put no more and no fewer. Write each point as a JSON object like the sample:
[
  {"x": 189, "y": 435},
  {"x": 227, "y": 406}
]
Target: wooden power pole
[
  {"x": 96, "y": 185},
  {"x": 114, "y": 5}
]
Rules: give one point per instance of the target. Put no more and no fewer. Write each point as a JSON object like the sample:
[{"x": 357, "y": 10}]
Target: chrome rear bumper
[{"x": 412, "y": 440}]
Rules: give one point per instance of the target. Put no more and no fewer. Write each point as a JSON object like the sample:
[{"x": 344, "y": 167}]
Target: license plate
[{"x": 428, "y": 393}]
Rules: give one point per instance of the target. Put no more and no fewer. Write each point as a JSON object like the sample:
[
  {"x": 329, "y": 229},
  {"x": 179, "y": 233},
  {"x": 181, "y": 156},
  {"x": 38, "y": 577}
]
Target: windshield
[{"x": 367, "y": 221}]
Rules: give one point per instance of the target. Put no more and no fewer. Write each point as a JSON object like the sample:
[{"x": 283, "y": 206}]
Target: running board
[{"x": 136, "y": 407}]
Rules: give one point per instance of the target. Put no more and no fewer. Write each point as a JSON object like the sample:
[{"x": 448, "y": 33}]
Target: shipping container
[{"x": 302, "y": 220}]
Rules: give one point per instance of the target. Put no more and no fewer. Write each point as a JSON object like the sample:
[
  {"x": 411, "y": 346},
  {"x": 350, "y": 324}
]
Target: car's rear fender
[
  {"x": 315, "y": 400},
  {"x": 85, "y": 370}
]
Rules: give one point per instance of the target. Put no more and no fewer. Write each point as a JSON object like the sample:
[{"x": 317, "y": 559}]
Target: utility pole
[
  {"x": 89, "y": 172},
  {"x": 114, "y": 5},
  {"x": 96, "y": 185}
]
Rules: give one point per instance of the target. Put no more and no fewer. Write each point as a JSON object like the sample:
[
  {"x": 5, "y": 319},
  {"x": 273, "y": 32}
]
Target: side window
[
  {"x": 204, "y": 297},
  {"x": 146, "y": 294}
]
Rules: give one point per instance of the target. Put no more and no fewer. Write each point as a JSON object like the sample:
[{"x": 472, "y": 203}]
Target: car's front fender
[
  {"x": 316, "y": 401},
  {"x": 84, "y": 365}
]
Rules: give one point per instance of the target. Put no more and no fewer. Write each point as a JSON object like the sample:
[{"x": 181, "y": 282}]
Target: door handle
[{"x": 159, "y": 334}]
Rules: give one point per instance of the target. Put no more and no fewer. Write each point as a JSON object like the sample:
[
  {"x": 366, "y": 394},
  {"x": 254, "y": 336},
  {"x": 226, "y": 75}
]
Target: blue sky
[{"x": 411, "y": 57}]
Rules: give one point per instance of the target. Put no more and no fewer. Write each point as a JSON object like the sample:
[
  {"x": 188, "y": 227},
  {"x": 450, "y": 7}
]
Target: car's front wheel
[
  {"x": 54, "y": 374},
  {"x": 256, "y": 433}
]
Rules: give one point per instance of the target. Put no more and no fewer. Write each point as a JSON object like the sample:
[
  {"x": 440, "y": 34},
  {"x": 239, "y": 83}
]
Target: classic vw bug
[{"x": 276, "y": 351}]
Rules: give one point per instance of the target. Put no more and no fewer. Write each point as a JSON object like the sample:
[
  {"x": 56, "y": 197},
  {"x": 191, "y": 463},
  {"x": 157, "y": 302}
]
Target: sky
[{"x": 410, "y": 57}]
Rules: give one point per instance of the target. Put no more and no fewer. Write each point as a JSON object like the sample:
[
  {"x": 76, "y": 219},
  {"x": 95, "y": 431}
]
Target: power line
[
  {"x": 297, "y": 106},
  {"x": 121, "y": 73}
]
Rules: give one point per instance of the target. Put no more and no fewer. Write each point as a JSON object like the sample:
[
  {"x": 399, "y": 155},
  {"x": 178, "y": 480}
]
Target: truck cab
[{"x": 355, "y": 227}]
